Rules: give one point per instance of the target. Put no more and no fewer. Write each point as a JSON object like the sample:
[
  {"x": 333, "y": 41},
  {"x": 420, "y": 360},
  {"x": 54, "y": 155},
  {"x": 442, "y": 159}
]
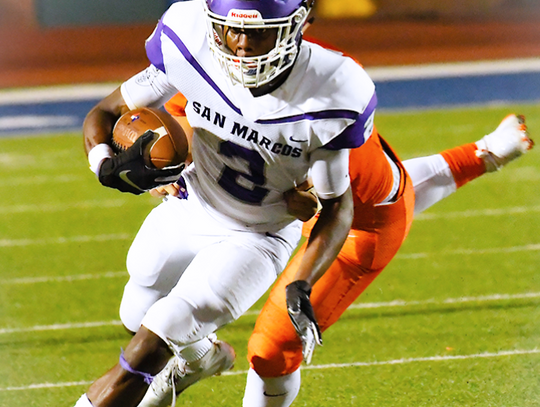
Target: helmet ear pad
[{"x": 286, "y": 16}]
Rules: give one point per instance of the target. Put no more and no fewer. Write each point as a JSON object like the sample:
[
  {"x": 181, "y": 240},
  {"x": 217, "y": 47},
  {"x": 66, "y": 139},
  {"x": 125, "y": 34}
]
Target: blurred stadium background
[
  {"x": 464, "y": 289},
  {"x": 45, "y": 42}
]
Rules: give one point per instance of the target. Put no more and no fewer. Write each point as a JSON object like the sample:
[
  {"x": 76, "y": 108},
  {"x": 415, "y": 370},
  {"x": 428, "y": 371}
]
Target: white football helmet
[{"x": 286, "y": 16}]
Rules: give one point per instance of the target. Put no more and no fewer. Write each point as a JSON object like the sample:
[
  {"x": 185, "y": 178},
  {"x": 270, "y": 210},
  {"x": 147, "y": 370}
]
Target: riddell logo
[
  {"x": 245, "y": 14},
  {"x": 217, "y": 39}
]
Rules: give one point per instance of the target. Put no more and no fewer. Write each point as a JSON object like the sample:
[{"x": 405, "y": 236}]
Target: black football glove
[
  {"x": 128, "y": 172},
  {"x": 302, "y": 316}
]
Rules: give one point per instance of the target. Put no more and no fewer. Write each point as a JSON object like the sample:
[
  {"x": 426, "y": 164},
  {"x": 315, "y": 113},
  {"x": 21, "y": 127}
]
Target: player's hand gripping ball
[
  {"x": 170, "y": 145},
  {"x": 151, "y": 148}
]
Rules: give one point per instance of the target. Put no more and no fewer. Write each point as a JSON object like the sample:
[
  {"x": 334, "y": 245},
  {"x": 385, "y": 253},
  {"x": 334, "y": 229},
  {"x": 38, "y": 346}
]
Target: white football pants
[{"x": 190, "y": 275}]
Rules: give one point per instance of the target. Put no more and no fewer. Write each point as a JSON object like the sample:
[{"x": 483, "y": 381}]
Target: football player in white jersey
[{"x": 267, "y": 111}]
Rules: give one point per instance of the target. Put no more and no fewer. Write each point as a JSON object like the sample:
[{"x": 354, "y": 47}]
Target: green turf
[{"x": 465, "y": 333}]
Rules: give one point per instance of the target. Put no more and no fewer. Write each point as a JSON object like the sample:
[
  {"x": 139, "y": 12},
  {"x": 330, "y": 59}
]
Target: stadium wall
[{"x": 398, "y": 32}]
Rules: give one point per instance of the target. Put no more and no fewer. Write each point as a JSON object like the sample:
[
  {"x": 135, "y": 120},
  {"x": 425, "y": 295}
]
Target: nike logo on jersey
[
  {"x": 297, "y": 141},
  {"x": 124, "y": 177},
  {"x": 275, "y": 395}
]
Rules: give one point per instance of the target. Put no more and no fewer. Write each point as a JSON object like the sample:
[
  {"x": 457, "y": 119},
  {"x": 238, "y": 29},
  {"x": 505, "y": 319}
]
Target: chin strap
[{"x": 147, "y": 377}]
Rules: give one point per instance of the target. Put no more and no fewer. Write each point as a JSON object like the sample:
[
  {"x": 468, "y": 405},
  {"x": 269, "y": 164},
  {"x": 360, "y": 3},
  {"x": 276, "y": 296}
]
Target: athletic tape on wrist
[
  {"x": 96, "y": 156},
  {"x": 147, "y": 377}
]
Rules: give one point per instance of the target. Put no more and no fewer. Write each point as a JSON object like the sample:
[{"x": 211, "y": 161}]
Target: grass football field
[{"x": 453, "y": 321}]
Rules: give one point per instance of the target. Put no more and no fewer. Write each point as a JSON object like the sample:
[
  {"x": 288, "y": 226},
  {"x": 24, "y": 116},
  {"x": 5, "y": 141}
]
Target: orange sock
[{"x": 464, "y": 163}]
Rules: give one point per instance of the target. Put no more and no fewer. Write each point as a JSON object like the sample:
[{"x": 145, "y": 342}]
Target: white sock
[
  {"x": 432, "y": 180},
  {"x": 83, "y": 402},
  {"x": 197, "y": 350},
  {"x": 271, "y": 391}
]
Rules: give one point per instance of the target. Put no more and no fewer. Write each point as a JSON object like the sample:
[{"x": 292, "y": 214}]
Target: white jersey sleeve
[
  {"x": 330, "y": 172},
  {"x": 148, "y": 88}
]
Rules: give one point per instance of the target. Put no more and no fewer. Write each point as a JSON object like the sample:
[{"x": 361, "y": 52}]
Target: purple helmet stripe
[{"x": 268, "y": 8}]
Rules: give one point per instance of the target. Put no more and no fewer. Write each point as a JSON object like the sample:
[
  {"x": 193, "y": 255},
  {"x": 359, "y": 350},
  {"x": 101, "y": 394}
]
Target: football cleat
[
  {"x": 178, "y": 375},
  {"x": 509, "y": 141}
]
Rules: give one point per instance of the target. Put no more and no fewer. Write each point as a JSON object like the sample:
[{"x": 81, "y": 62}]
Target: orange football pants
[{"x": 274, "y": 348}]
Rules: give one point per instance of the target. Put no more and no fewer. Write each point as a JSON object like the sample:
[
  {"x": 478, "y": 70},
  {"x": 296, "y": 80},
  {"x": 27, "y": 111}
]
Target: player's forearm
[
  {"x": 326, "y": 238},
  {"x": 97, "y": 128},
  {"x": 99, "y": 122}
]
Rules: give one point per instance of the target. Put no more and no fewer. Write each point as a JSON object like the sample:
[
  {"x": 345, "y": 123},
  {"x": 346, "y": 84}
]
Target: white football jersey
[{"x": 249, "y": 150}]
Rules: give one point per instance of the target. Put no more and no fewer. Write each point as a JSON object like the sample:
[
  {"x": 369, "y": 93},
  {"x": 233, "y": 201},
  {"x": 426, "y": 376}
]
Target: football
[{"x": 170, "y": 146}]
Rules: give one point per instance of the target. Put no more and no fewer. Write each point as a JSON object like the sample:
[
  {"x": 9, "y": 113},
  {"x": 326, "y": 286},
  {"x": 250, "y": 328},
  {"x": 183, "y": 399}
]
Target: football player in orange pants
[
  {"x": 387, "y": 193},
  {"x": 275, "y": 350}
]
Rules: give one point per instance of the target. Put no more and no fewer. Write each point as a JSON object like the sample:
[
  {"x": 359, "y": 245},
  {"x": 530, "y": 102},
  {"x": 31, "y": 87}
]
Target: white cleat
[
  {"x": 507, "y": 142},
  {"x": 179, "y": 375}
]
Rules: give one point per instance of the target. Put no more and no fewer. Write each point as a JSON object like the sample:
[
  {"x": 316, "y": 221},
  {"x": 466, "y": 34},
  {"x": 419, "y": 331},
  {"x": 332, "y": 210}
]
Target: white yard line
[
  {"x": 37, "y": 121},
  {"x": 459, "y": 300},
  {"x": 46, "y": 386},
  {"x": 61, "y": 207},
  {"x": 39, "y": 179},
  {"x": 101, "y": 238},
  {"x": 465, "y": 252},
  {"x": 395, "y": 303},
  {"x": 75, "y": 277},
  {"x": 125, "y": 236},
  {"x": 515, "y": 210},
  {"x": 64, "y": 240},
  {"x": 381, "y": 74},
  {"x": 454, "y": 69},
  {"x": 437, "y": 358},
  {"x": 61, "y": 327},
  {"x": 56, "y": 93},
  {"x": 424, "y": 359}
]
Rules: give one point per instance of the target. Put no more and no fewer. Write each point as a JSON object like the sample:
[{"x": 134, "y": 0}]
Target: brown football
[{"x": 170, "y": 146}]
